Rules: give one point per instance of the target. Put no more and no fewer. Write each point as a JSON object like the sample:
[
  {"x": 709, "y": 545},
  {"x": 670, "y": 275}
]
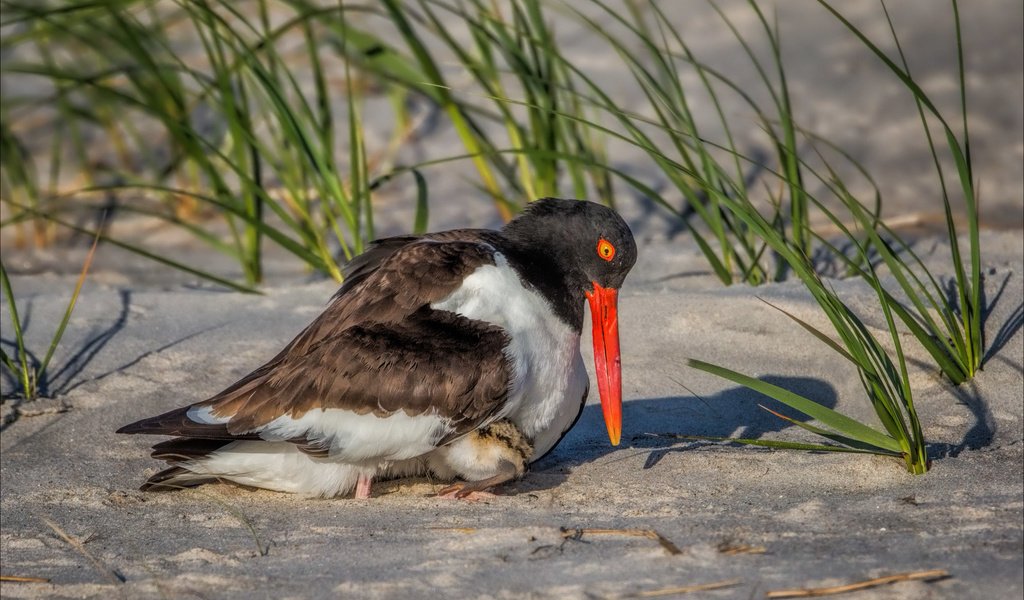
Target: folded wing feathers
[{"x": 375, "y": 330}]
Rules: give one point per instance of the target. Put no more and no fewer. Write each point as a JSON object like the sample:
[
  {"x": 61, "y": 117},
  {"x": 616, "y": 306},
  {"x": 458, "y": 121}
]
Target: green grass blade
[
  {"x": 24, "y": 371},
  {"x": 848, "y": 442},
  {"x": 830, "y": 418},
  {"x": 813, "y": 331},
  {"x": 55, "y": 340},
  {"x": 767, "y": 443},
  {"x": 146, "y": 254}
]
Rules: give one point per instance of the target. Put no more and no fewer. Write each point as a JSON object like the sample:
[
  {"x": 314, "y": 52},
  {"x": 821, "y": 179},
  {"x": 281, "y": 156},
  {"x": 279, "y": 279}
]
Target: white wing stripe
[{"x": 204, "y": 415}]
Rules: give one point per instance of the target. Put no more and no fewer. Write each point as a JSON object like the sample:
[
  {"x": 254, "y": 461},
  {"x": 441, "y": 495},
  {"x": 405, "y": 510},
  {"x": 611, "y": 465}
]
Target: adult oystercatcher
[{"x": 455, "y": 353}]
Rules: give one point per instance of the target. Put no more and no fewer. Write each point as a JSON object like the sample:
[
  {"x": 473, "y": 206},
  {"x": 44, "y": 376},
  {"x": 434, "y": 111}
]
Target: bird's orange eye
[{"x": 605, "y": 249}]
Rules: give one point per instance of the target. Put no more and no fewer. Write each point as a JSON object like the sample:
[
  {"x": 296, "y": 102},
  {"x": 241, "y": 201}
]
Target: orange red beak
[{"x": 604, "y": 312}]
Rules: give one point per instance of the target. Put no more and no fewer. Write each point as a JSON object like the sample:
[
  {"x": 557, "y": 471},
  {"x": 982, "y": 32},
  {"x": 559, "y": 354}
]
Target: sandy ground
[{"x": 145, "y": 340}]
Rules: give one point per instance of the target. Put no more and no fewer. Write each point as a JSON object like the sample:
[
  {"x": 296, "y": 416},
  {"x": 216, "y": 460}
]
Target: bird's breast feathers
[{"x": 548, "y": 379}]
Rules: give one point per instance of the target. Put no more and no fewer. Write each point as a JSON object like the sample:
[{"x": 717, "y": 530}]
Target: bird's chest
[
  {"x": 547, "y": 379},
  {"x": 549, "y": 385}
]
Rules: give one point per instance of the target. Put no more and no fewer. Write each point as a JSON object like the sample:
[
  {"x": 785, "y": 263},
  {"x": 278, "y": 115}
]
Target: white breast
[{"x": 548, "y": 379}]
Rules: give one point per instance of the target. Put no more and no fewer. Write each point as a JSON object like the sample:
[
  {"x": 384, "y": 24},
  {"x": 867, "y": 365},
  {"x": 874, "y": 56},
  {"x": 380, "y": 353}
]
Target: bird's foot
[
  {"x": 465, "y": 491},
  {"x": 477, "y": 490},
  {"x": 363, "y": 487}
]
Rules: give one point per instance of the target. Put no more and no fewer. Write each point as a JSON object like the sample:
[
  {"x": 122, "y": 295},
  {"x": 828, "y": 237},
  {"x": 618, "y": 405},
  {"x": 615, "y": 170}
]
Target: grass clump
[
  {"x": 885, "y": 380},
  {"x": 512, "y": 118},
  {"x": 699, "y": 169},
  {"x": 243, "y": 136},
  {"x": 953, "y": 338},
  {"x": 27, "y": 371}
]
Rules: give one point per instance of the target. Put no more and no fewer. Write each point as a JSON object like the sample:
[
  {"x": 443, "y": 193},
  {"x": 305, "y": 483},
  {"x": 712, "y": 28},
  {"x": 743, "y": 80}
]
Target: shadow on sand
[
  {"x": 731, "y": 413},
  {"x": 71, "y": 372},
  {"x": 59, "y": 381}
]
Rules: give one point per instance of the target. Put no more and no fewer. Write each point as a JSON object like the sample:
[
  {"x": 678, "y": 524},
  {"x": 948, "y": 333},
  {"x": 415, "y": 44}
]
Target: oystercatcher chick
[{"x": 455, "y": 354}]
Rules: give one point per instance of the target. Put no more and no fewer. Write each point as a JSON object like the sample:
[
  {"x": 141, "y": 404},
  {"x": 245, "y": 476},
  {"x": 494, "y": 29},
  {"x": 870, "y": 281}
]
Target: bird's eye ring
[{"x": 605, "y": 249}]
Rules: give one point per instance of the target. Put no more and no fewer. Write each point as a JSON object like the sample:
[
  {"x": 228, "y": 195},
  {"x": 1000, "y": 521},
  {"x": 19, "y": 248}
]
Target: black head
[
  {"x": 572, "y": 244},
  {"x": 571, "y": 250}
]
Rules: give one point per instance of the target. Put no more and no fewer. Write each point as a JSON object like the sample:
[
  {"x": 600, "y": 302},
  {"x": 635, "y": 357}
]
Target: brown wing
[
  {"x": 379, "y": 348},
  {"x": 430, "y": 363},
  {"x": 380, "y": 264},
  {"x": 367, "y": 263},
  {"x": 393, "y": 278}
]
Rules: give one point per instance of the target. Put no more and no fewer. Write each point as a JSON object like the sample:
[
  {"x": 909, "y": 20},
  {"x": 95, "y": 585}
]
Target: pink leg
[{"x": 363, "y": 486}]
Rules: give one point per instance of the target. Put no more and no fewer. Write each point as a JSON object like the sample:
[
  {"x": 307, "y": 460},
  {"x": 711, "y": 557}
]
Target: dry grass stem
[
  {"x": 19, "y": 579},
  {"x": 931, "y": 575},
  {"x": 686, "y": 589},
  {"x": 455, "y": 529},
  {"x": 576, "y": 533},
  {"x": 646, "y": 533},
  {"x": 731, "y": 549},
  {"x": 104, "y": 570}
]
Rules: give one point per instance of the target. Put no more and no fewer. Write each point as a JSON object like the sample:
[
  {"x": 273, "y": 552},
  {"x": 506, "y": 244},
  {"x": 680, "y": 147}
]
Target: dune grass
[
  {"x": 544, "y": 145},
  {"x": 242, "y": 136},
  {"x": 956, "y": 340},
  {"x": 885, "y": 379},
  {"x": 953, "y": 339},
  {"x": 27, "y": 370}
]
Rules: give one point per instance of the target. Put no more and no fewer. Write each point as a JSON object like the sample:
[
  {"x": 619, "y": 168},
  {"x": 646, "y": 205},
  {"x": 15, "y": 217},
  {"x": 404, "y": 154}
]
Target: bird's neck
[{"x": 543, "y": 271}]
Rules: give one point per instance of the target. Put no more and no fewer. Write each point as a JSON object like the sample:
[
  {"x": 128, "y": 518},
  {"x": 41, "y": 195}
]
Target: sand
[{"x": 144, "y": 340}]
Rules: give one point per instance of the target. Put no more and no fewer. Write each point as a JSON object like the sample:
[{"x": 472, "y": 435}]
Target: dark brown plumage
[{"x": 374, "y": 331}]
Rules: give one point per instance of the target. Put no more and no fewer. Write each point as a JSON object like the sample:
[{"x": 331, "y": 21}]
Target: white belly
[{"x": 548, "y": 379}]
